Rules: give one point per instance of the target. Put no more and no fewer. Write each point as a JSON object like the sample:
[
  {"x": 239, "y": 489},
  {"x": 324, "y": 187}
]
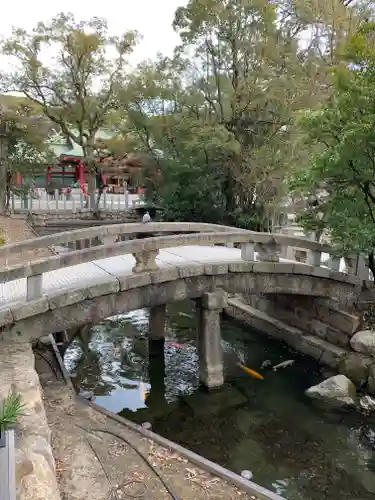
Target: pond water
[{"x": 266, "y": 426}]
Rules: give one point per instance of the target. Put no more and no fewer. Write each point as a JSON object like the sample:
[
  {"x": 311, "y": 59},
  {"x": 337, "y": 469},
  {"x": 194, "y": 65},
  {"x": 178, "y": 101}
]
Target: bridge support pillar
[
  {"x": 209, "y": 339},
  {"x": 156, "y": 327}
]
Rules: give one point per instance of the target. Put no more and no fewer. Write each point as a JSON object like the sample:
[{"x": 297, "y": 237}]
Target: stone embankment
[
  {"x": 35, "y": 465},
  {"x": 316, "y": 328},
  {"x": 45, "y": 223}
]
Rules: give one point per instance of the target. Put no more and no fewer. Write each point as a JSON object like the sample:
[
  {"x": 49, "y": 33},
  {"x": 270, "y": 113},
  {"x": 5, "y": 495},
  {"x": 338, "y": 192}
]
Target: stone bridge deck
[
  {"x": 106, "y": 270},
  {"x": 85, "y": 286}
]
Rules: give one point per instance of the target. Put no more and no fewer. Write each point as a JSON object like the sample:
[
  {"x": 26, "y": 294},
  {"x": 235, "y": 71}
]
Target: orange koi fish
[{"x": 251, "y": 372}]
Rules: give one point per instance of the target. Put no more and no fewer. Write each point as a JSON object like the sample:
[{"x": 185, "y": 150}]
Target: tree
[
  {"x": 75, "y": 88},
  {"x": 23, "y": 146},
  {"x": 222, "y": 117},
  {"x": 340, "y": 175},
  {"x": 222, "y": 109}
]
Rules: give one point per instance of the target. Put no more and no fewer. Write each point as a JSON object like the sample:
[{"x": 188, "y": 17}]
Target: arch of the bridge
[{"x": 93, "y": 304}]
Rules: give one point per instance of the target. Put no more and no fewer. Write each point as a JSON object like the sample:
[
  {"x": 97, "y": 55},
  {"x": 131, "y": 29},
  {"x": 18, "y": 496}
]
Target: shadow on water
[{"x": 267, "y": 426}]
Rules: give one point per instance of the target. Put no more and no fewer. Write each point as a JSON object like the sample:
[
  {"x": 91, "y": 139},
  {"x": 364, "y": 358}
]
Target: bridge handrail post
[
  {"x": 145, "y": 261},
  {"x": 363, "y": 271},
  {"x": 247, "y": 251},
  {"x": 357, "y": 265},
  {"x": 268, "y": 252},
  {"x": 314, "y": 258},
  {"x": 34, "y": 287},
  {"x": 334, "y": 263}
]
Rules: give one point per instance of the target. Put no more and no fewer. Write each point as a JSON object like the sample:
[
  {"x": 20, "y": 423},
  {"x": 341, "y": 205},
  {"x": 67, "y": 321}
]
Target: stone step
[{"x": 223, "y": 399}]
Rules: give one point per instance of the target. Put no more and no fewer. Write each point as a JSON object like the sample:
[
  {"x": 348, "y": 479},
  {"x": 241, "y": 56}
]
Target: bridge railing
[
  {"x": 108, "y": 234},
  {"x": 264, "y": 247}
]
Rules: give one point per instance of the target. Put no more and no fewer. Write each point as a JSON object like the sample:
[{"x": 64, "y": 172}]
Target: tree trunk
[
  {"x": 3, "y": 172},
  {"x": 91, "y": 181},
  {"x": 91, "y": 185}
]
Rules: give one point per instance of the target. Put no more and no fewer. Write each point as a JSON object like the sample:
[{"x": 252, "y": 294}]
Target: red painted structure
[{"x": 78, "y": 174}]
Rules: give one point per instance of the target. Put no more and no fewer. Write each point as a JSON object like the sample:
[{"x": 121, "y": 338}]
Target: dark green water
[{"x": 268, "y": 426}]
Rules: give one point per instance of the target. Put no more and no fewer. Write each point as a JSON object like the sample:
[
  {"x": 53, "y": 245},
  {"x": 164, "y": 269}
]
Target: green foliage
[
  {"x": 11, "y": 409},
  {"x": 190, "y": 193},
  {"x": 341, "y": 170},
  {"x": 76, "y": 87},
  {"x": 218, "y": 118}
]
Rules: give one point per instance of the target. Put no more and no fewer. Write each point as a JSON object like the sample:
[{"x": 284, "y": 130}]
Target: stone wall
[
  {"x": 56, "y": 221},
  {"x": 35, "y": 465},
  {"x": 316, "y": 316},
  {"x": 316, "y": 327},
  {"x": 325, "y": 352}
]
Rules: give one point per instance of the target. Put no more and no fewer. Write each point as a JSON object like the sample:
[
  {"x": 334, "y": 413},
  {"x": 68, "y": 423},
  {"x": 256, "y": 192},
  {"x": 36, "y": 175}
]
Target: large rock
[
  {"x": 356, "y": 367},
  {"x": 336, "y": 392},
  {"x": 364, "y": 342}
]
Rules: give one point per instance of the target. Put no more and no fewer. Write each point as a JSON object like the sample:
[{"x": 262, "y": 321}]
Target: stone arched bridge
[
  {"x": 104, "y": 272},
  {"x": 87, "y": 285}
]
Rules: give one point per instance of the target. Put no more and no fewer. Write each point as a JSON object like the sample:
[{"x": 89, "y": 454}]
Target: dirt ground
[
  {"x": 100, "y": 466},
  {"x": 15, "y": 230}
]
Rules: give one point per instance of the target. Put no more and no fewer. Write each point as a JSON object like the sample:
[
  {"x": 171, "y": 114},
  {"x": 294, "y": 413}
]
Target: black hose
[
  {"x": 37, "y": 351},
  {"x": 114, "y": 489},
  {"x": 139, "y": 453}
]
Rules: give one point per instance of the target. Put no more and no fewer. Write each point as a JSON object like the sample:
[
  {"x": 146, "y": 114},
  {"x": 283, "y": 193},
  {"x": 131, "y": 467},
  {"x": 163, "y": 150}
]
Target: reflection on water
[{"x": 268, "y": 426}]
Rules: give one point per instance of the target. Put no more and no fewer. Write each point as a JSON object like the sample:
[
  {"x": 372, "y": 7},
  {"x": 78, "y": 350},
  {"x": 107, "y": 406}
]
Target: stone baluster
[
  {"x": 351, "y": 264},
  {"x": 300, "y": 255},
  {"x": 357, "y": 265},
  {"x": 334, "y": 263},
  {"x": 314, "y": 258},
  {"x": 363, "y": 271},
  {"x": 34, "y": 287},
  {"x": 247, "y": 251},
  {"x": 145, "y": 261},
  {"x": 268, "y": 252},
  {"x": 209, "y": 339},
  {"x": 109, "y": 240}
]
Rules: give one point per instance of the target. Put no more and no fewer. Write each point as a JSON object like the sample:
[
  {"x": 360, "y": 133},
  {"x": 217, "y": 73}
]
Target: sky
[{"x": 151, "y": 18}]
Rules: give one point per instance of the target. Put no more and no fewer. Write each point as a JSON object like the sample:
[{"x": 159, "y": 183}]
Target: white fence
[{"x": 74, "y": 201}]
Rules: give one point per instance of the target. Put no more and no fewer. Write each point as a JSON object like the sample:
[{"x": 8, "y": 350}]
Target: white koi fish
[{"x": 284, "y": 364}]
